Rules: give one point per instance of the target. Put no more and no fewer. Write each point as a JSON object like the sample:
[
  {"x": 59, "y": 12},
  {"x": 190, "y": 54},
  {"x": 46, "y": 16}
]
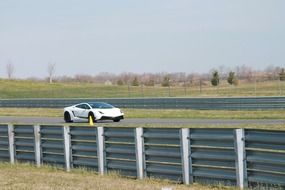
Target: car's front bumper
[{"x": 111, "y": 118}]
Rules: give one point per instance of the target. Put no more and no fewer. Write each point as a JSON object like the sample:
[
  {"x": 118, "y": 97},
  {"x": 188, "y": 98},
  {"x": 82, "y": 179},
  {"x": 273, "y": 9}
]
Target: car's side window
[
  {"x": 86, "y": 107},
  {"x": 81, "y": 106}
]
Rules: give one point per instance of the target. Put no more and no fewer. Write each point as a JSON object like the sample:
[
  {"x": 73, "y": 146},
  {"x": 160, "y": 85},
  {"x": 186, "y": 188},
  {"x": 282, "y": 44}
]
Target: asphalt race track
[{"x": 146, "y": 121}]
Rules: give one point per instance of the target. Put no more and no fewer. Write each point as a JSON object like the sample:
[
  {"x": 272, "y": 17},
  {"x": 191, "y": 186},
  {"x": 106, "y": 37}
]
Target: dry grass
[
  {"x": 26, "y": 177},
  {"x": 32, "y": 89}
]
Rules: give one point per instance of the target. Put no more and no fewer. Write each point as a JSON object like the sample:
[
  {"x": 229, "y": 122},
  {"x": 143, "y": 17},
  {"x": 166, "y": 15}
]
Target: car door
[
  {"x": 78, "y": 110},
  {"x": 85, "y": 111}
]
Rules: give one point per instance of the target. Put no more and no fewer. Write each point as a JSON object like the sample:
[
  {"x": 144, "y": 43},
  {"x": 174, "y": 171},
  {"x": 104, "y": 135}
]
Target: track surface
[{"x": 166, "y": 122}]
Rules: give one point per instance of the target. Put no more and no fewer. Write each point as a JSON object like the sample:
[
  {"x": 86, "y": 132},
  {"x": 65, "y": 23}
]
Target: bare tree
[
  {"x": 84, "y": 78},
  {"x": 271, "y": 72},
  {"x": 245, "y": 72},
  {"x": 51, "y": 71},
  {"x": 222, "y": 71},
  {"x": 10, "y": 69}
]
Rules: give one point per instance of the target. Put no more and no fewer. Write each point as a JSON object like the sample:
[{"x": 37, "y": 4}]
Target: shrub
[{"x": 215, "y": 78}]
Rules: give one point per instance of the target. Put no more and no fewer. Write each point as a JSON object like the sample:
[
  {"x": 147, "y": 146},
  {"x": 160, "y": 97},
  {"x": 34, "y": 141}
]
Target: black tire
[
  {"x": 92, "y": 116},
  {"x": 116, "y": 120},
  {"x": 67, "y": 117}
]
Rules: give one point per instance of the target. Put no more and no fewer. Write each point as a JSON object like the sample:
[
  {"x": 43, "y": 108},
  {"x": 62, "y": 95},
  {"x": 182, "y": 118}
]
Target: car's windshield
[{"x": 100, "y": 105}]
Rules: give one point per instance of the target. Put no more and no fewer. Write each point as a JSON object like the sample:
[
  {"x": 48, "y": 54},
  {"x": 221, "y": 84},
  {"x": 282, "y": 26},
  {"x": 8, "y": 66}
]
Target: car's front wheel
[
  {"x": 91, "y": 116},
  {"x": 116, "y": 120},
  {"x": 67, "y": 117}
]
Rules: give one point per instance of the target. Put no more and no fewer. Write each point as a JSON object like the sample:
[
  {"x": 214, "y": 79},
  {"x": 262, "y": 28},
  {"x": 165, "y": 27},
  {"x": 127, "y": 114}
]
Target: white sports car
[{"x": 95, "y": 110}]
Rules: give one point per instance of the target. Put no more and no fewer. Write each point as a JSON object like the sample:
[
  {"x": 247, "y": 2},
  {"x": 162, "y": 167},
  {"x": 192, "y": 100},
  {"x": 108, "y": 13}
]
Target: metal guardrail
[
  {"x": 243, "y": 103},
  {"x": 84, "y": 147},
  {"x": 162, "y": 154},
  {"x": 213, "y": 156},
  {"x": 265, "y": 152},
  {"x": 52, "y": 145},
  {"x": 241, "y": 157},
  {"x": 120, "y": 151},
  {"x": 4, "y": 143},
  {"x": 24, "y": 143}
]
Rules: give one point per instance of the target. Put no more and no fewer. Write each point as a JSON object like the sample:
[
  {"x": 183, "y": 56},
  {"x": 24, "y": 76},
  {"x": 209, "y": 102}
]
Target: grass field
[
  {"x": 31, "y": 89},
  {"x": 27, "y": 177},
  {"x": 160, "y": 113}
]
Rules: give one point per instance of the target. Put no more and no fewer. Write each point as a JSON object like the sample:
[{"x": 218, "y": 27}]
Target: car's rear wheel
[{"x": 67, "y": 117}]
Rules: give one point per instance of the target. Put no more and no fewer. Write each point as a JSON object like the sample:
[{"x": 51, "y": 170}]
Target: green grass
[
  {"x": 27, "y": 177},
  {"x": 204, "y": 114},
  {"x": 30, "y": 89},
  {"x": 157, "y": 113}
]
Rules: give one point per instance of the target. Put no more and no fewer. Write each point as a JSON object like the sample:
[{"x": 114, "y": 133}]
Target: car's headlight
[{"x": 101, "y": 112}]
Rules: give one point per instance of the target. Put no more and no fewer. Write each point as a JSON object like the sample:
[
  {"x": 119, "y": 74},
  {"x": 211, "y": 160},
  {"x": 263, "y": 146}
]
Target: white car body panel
[{"x": 82, "y": 115}]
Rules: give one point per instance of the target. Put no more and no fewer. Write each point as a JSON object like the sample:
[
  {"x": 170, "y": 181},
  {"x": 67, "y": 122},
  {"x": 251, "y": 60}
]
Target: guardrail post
[
  {"x": 37, "y": 145},
  {"x": 185, "y": 155},
  {"x": 11, "y": 143},
  {"x": 139, "y": 152},
  {"x": 241, "y": 173},
  {"x": 67, "y": 155},
  {"x": 100, "y": 150}
]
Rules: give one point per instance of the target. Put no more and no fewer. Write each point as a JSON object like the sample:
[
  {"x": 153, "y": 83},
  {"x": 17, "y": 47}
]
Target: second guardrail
[{"x": 242, "y": 103}]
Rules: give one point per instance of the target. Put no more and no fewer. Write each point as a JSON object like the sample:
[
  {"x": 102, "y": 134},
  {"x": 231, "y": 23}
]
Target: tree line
[{"x": 232, "y": 76}]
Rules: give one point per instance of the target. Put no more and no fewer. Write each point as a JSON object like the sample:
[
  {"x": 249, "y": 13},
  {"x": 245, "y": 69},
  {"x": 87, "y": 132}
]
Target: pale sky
[{"x": 91, "y": 36}]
